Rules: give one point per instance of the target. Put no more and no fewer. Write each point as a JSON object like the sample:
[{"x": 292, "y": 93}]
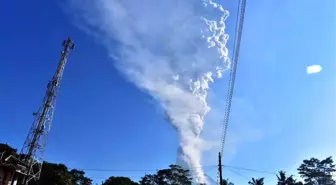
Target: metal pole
[{"x": 220, "y": 169}]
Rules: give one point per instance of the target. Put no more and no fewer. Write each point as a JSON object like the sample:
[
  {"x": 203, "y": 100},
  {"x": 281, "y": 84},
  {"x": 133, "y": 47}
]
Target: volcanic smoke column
[
  {"x": 190, "y": 123},
  {"x": 172, "y": 50},
  {"x": 191, "y": 117}
]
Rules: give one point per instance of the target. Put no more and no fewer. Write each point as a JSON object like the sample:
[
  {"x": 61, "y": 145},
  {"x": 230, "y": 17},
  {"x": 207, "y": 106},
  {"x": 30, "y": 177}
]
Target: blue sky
[{"x": 280, "y": 115}]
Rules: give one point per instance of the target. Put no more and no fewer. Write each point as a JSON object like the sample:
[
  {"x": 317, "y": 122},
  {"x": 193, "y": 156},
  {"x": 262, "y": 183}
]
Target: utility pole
[
  {"x": 32, "y": 152},
  {"x": 220, "y": 169}
]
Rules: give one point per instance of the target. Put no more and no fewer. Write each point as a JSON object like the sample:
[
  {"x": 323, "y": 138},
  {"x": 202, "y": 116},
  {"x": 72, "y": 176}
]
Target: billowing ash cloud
[{"x": 172, "y": 49}]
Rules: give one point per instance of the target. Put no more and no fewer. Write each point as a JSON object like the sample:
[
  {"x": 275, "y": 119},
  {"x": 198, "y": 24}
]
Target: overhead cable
[{"x": 233, "y": 71}]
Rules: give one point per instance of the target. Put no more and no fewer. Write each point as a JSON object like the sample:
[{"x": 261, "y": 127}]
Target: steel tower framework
[{"x": 35, "y": 143}]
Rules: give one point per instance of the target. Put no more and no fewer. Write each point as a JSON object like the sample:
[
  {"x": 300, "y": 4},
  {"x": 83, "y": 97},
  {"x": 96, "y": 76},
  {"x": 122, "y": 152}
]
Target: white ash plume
[{"x": 172, "y": 49}]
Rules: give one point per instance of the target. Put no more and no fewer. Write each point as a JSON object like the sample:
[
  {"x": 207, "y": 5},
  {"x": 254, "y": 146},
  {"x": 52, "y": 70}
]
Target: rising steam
[{"x": 172, "y": 49}]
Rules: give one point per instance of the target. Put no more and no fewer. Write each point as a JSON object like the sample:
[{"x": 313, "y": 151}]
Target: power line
[
  {"x": 249, "y": 169},
  {"x": 139, "y": 176},
  {"x": 237, "y": 173},
  {"x": 214, "y": 167},
  {"x": 206, "y": 168},
  {"x": 239, "y": 30},
  {"x": 112, "y": 170}
]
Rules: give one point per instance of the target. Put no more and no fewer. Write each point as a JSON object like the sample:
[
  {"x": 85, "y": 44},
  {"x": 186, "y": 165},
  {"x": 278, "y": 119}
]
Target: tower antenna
[{"x": 32, "y": 152}]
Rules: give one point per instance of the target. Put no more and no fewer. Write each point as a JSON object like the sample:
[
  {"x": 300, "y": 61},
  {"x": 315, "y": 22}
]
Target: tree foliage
[
  {"x": 149, "y": 180},
  {"x": 284, "y": 180},
  {"x": 119, "y": 181},
  {"x": 316, "y": 172},
  {"x": 227, "y": 182},
  {"x": 78, "y": 178},
  {"x": 175, "y": 175},
  {"x": 259, "y": 181},
  {"x": 313, "y": 171},
  {"x": 54, "y": 174},
  {"x": 58, "y": 174}
]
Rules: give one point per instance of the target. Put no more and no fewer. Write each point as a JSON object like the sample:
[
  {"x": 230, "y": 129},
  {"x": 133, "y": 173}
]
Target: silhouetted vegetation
[
  {"x": 259, "y": 181},
  {"x": 119, "y": 181},
  {"x": 58, "y": 174},
  {"x": 175, "y": 175},
  {"x": 227, "y": 182},
  {"x": 284, "y": 180},
  {"x": 313, "y": 172}
]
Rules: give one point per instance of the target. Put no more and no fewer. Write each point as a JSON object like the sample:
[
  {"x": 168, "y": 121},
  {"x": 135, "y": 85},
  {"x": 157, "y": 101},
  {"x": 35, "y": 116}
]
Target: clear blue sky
[{"x": 280, "y": 115}]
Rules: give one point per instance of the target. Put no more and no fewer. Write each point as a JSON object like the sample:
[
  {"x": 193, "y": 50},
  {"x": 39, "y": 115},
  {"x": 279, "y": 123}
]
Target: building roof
[
  {"x": 7, "y": 148},
  {"x": 5, "y": 152},
  {"x": 9, "y": 158}
]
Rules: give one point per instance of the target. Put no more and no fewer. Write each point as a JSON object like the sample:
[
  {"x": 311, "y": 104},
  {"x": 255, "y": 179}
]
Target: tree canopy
[
  {"x": 227, "y": 182},
  {"x": 58, "y": 174},
  {"x": 284, "y": 180},
  {"x": 174, "y": 175},
  {"x": 78, "y": 178},
  {"x": 316, "y": 172},
  {"x": 259, "y": 181},
  {"x": 119, "y": 181},
  {"x": 313, "y": 172}
]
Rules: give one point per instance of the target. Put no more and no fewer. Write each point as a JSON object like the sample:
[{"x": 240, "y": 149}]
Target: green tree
[
  {"x": 259, "y": 181},
  {"x": 284, "y": 180},
  {"x": 149, "y": 180},
  {"x": 316, "y": 172},
  {"x": 227, "y": 182},
  {"x": 78, "y": 178},
  {"x": 174, "y": 175},
  {"x": 58, "y": 174},
  {"x": 54, "y": 174},
  {"x": 119, "y": 181}
]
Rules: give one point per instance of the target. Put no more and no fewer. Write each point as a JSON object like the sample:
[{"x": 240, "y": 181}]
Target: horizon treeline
[{"x": 313, "y": 171}]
